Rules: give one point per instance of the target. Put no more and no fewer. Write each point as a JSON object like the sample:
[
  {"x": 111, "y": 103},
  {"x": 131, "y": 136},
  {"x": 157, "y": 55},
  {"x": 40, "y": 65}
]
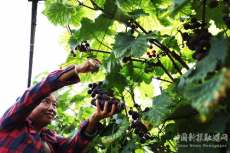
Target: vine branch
[
  {"x": 123, "y": 99},
  {"x": 162, "y": 66},
  {"x": 86, "y": 5},
  {"x": 203, "y": 16},
  {"x": 184, "y": 117}
]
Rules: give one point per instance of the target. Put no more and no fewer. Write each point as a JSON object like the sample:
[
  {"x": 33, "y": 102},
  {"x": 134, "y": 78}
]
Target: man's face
[{"x": 44, "y": 113}]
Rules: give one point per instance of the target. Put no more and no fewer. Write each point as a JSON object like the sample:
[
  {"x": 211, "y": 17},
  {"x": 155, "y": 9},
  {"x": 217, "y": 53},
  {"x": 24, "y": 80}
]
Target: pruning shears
[{"x": 95, "y": 67}]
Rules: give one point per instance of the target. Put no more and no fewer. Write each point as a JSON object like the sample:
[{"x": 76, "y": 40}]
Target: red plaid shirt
[{"x": 17, "y": 132}]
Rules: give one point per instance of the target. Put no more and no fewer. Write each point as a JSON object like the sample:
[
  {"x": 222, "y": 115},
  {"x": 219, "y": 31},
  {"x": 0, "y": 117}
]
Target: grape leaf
[
  {"x": 131, "y": 145},
  {"x": 123, "y": 127},
  {"x": 160, "y": 110},
  {"x": 112, "y": 9},
  {"x": 122, "y": 42},
  {"x": 60, "y": 14},
  {"x": 92, "y": 30},
  {"x": 210, "y": 14},
  {"x": 177, "y": 6},
  {"x": 205, "y": 97},
  {"x": 127, "y": 69},
  {"x": 217, "y": 53},
  {"x": 182, "y": 111},
  {"x": 219, "y": 121},
  {"x": 112, "y": 64},
  {"x": 138, "y": 13},
  {"x": 64, "y": 40},
  {"x": 75, "y": 20},
  {"x": 162, "y": 14},
  {"x": 73, "y": 43},
  {"x": 140, "y": 76},
  {"x": 115, "y": 80}
]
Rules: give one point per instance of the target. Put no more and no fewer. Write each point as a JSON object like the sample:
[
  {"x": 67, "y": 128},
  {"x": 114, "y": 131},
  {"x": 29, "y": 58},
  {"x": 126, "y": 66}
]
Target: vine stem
[
  {"x": 70, "y": 31},
  {"x": 162, "y": 80},
  {"x": 95, "y": 50},
  {"x": 86, "y": 5},
  {"x": 164, "y": 48},
  {"x": 162, "y": 66},
  {"x": 203, "y": 17},
  {"x": 123, "y": 99},
  {"x": 132, "y": 94},
  {"x": 184, "y": 117}
]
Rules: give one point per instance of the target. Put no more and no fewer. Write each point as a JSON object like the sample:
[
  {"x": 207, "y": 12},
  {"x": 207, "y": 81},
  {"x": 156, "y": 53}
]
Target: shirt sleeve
[
  {"x": 32, "y": 97},
  {"x": 78, "y": 143}
]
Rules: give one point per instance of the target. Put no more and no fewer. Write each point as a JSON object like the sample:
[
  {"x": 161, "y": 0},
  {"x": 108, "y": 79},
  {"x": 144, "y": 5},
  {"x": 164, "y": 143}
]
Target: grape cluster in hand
[
  {"x": 103, "y": 96},
  {"x": 126, "y": 59}
]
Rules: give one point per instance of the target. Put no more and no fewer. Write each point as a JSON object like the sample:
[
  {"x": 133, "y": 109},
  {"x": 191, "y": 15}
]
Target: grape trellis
[{"x": 182, "y": 43}]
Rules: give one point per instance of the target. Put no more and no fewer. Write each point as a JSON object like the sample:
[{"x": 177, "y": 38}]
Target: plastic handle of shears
[{"x": 95, "y": 67}]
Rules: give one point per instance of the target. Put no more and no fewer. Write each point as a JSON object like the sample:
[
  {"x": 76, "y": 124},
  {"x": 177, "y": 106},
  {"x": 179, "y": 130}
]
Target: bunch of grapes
[
  {"x": 102, "y": 96},
  {"x": 126, "y": 59},
  {"x": 140, "y": 128},
  {"x": 84, "y": 47},
  {"x": 132, "y": 26},
  {"x": 153, "y": 54},
  {"x": 198, "y": 42},
  {"x": 226, "y": 19}
]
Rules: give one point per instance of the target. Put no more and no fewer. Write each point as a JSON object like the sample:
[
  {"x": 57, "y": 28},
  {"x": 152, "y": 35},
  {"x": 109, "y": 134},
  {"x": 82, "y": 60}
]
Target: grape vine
[{"x": 183, "y": 43}]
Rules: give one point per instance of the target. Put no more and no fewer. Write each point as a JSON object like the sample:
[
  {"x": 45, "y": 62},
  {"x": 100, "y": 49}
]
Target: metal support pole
[{"x": 32, "y": 36}]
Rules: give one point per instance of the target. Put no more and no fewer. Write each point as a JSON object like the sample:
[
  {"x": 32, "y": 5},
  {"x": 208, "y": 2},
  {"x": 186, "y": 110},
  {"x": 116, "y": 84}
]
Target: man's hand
[{"x": 87, "y": 65}]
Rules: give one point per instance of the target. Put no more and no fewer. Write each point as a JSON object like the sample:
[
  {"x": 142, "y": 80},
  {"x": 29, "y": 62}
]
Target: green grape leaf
[
  {"x": 182, "y": 111},
  {"x": 177, "y": 6},
  {"x": 64, "y": 40},
  {"x": 140, "y": 45},
  {"x": 129, "y": 147},
  {"x": 127, "y": 69},
  {"x": 140, "y": 76},
  {"x": 210, "y": 14},
  {"x": 93, "y": 30},
  {"x": 73, "y": 43},
  {"x": 112, "y": 9},
  {"x": 205, "y": 97},
  {"x": 219, "y": 121},
  {"x": 138, "y": 13},
  {"x": 217, "y": 53},
  {"x": 162, "y": 15},
  {"x": 75, "y": 20},
  {"x": 112, "y": 64},
  {"x": 123, "y": 127},
  {"x": 60, "y": 14},
  {"x": 122, "y": 42},
  {"x": 160, "y": 111},
  {"x": 115, "y": 80}
]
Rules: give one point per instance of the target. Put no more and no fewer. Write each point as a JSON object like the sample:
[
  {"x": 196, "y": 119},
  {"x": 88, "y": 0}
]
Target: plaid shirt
[{"x": 17, "y": 132}]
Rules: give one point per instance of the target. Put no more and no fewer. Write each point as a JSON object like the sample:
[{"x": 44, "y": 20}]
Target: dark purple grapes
[
  {"x": 213, "y": 3},
  {"x": 142, "y": 140},
  {"x": 124, "y": 59},
  {"x": 90, "y": 85},
  {"x": 94, "y": 85},
  {"x": 186, "y": 26},
  {"x": 193, "y": 20},
  {"x": 89, "y": 91},
  {"x": 95, "y": 91},
  {"x": 193, "y": 41},
  {"x": 136, "y": 105},
  {"x": 199, "y": 56},
  {"x": 93, "y": 95},
  {"x": 130, "y": 112},
  {"x": 135, "y": 115},
  {"x": 100, "y": 83}
]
